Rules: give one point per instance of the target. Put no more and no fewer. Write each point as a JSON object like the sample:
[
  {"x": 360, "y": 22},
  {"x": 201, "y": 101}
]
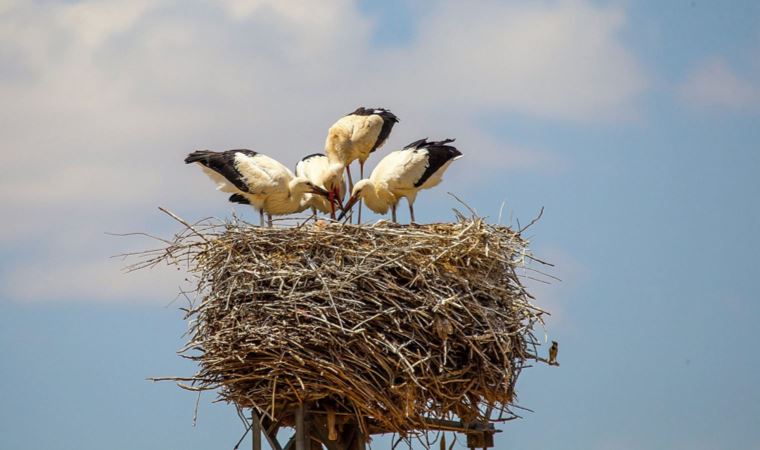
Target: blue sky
[{"x": 633, "y": 123}]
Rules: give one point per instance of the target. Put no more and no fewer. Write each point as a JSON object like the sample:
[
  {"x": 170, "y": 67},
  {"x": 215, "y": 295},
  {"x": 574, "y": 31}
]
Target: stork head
[
  {"x": 362, "y": 190},
  {"x": 362, "y": 187},
  {"x": 301, "y": 185}
]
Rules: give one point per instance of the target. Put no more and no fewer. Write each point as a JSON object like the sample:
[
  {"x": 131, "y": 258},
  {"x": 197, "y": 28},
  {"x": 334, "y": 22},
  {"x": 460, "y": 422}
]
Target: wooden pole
[
  {"x": 255, "y": 430},
  {"x": 361, "y": 439},
  {"x": 300, "y": 441}
]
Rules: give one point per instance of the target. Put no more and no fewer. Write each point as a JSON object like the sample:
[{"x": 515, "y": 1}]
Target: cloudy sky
[{"x": 635, "y": 124}]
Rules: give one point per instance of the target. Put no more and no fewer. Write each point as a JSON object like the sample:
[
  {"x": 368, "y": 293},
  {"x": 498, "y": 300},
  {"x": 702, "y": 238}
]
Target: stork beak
[
  {"x": 340, "y": 201},
  {"x": 351, "y": 202},
  {"x": 319, "y": 191}
]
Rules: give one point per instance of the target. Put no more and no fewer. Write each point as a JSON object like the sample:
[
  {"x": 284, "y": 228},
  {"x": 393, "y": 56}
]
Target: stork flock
[{"x": 319, "y": 183}]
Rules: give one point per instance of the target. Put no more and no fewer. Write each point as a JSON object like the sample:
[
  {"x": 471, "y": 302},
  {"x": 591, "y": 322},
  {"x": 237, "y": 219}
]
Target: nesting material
[{"x": 383, "y": 325}]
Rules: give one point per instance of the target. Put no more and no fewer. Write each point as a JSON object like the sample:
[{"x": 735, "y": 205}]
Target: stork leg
[
  {"x": 350, "y": 188},
  {"x": 350, "y": 181},
  {"x": 411, "y": 211},
  {"x": 393, "y": 213},
  {"x": 269, "y": 220},
  {"x": 331, "y": 199},
  {"x": 361, "y": 201},
  {"x": 261, "y": 217}
]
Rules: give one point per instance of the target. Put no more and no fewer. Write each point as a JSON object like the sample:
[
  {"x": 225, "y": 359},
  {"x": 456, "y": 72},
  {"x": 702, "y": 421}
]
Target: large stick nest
[{"x": 385, "y": 324}]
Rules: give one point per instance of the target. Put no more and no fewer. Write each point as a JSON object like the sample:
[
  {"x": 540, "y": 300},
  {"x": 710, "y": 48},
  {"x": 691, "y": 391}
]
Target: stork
[
  {"x": 256, "y": 180},
  {"x": 318, "y": 169},
  {"x": 356, "y": 135},
  {"x": 403, "y": 173}
]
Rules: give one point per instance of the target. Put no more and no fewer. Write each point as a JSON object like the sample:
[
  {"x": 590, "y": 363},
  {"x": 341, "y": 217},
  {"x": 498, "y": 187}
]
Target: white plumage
[
  {"x": 257, "y": 180},
  {"x": 403, "y": 173},
  {"x": 356, "y": 136},
  {"x": 318, "y": 169}
]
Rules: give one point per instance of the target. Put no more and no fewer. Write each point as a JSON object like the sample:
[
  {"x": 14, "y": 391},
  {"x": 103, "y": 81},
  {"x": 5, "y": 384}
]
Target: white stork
[
  {"x": 356, "y": 135},
  {"x": 256, "y": 180},
  {"x": 403, "y": 173},
  {"x": 318, "y": 169}
]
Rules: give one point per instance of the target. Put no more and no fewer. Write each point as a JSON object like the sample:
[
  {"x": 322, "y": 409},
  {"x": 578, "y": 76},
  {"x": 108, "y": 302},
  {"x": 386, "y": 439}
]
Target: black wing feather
[
  {"x": 389, "y": 119},
  {"x": 312, "y": 156},
  {"x": 222, "y": 163},
  {"x": 438, "y": 154},
  {"x": 237, "y": 198},
  {"x": 416, "y": 144},
  {"x": 361, "y": 111}
]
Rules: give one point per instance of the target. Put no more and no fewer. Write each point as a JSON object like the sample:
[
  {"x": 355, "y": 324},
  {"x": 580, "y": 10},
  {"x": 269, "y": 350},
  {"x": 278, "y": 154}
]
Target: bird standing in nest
[
  {"x": 257, "y": 180},
  {"x": 403, "y": 173},
  {"x": 318, "y": 169},
  {"x": 356, "y": 135}
]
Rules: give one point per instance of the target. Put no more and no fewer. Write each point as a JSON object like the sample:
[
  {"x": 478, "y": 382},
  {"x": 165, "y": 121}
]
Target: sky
[{"x": 633, "y": 124}]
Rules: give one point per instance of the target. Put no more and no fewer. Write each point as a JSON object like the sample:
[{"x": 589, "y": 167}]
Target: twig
[
  {"x": 183, "y": 222},
  {"x": 540, "y": 213}
]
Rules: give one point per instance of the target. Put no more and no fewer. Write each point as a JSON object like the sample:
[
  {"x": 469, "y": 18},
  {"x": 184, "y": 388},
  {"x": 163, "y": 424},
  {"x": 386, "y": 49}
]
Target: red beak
[
  {"x": 338, "y": 198},
  {"x": 351, "y": 202},
  {"x": 319, "y": 191}
]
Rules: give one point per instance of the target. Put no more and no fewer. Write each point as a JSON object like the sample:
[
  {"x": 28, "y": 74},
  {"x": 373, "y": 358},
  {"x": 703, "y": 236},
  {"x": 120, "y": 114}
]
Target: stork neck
[
  {"x": 296, "y": 189},
  {"x": 370, "y": 193},
  {"x": 334, "y": 175}
]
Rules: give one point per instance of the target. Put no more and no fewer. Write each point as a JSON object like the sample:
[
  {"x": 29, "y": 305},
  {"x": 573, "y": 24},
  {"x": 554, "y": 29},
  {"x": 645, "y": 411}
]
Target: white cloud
[
  {"x": 90, "y": 182},
  {"x": 714, "y": 85},
  {"x": 7, "y": 5},
  {"x": 301, "y": 13},
  {"x": 102, "y": 100},
  {"x": 560, "y": 60},
  {"x": 94, "y": 21},
  {"x": 95, "y": 280}
]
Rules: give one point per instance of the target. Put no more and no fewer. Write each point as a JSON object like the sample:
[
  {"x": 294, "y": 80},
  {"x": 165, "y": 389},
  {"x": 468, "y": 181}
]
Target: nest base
[{"x": 314, "y": 430}]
